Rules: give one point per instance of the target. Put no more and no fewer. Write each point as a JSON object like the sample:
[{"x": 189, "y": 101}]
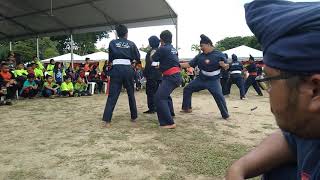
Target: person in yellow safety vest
[{"x": 50, "y": 67}]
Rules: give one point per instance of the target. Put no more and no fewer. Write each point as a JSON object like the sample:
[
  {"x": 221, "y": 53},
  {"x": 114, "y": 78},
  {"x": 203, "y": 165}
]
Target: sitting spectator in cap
[
  {"x": 50, "y": 88},
  {"x": 58, "y": 73},
  {"x": 289, "y": 33},
  {"x": 67, "y": 87},
  {"x": 94, "y": 76},
  {"x": 30, "y": 87},
  {"x": 81, "y": 88},
  {"x": 8, "y": 82}
]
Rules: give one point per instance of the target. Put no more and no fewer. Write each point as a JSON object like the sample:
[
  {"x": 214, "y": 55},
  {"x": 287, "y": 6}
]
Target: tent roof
[
  {"x": 244, "y": 52},
  {"x": 98, "y": 56},
  {"x": 65, "y": 58},
  {"x": 31, "y": 18}
]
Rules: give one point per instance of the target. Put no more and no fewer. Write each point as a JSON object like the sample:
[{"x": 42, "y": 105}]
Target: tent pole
[
  {"x": 177, "y": 34},
  {"x": 38, "y": 56},
  {"x": 10, "y": 45},
  {"x": 71, "y": 45}
]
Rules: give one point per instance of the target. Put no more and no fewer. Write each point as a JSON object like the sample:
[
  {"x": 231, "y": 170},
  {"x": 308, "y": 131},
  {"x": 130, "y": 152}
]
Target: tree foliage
[
  {"x": 196, "y": 47},
  {"x": 84, "y": 43},
  {"x": 232, "y": 42}
]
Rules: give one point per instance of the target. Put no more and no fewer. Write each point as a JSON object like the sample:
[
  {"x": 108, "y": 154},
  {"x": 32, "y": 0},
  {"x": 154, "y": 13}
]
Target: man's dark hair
[
  {"x": 87, "y": 59},
  {"x": 166, "y": 36},
  {"x": 122, "y": 30}
]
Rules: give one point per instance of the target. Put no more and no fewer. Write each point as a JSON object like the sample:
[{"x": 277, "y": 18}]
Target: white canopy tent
[
  {"x": 66, "y": 58},
  {"x": 243, "y": 52},
  {"x": 97, "y": 56}
]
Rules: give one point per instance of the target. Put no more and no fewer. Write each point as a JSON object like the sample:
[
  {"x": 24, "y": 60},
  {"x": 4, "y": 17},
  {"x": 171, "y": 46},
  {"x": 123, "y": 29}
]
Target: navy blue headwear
[
  {"x": 251, "y": 58},
  {"x": 205, "y": 40},
  {"x": 289, "y": 33},
  {"x": 154, "y": 41},
  {"x": 234, "y": 58}
]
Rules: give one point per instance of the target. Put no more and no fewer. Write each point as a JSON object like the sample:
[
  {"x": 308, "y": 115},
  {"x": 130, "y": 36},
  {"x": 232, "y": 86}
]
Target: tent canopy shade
[
  {"x": 37, "y": 18},
  {"x": 243, "y": 52}
]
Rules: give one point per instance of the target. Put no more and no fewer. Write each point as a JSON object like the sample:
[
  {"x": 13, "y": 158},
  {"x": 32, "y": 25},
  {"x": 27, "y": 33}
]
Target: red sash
[{"x": 171, "y": 71}]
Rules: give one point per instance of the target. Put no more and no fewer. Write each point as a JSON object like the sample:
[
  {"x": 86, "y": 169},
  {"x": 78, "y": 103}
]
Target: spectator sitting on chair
[
  {"x": 30, "y": 87},
  {"x": 50, "y": 88},
  {"x": 67, "y": 87},
  {"x": 8, "y": 82},
  {"x": 80, "y": 88},
  {"x": 94, "y": 76}
]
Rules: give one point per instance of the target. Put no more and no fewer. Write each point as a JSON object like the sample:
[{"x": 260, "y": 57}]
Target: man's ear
[{"x": 314, "y": 81}]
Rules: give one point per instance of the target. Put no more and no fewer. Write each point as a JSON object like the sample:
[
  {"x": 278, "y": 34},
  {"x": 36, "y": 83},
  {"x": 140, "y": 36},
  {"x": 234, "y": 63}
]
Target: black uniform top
[
  {"x": 167, "y": 55},
  {"x": 151, "y": 72},
  {"x": 252, "y": 68},
  {"x": 236, "y": 66},
  {"x": 123, "y": 49},
  {"x": 208, "y": 62}
]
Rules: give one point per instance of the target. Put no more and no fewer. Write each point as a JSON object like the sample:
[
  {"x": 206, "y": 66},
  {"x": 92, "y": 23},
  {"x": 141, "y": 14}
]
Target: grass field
[{"x": 62, "y": 138}]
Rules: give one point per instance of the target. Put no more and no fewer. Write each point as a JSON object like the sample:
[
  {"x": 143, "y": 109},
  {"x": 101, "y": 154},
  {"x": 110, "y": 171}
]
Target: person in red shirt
[{"x": 9, "y": 83}]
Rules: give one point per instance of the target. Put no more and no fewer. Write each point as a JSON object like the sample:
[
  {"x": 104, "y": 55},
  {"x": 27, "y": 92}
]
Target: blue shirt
[
  {"x": 252, "y": 68},
  {"x": 236, "y": 66},
  {"x": 208, "y": 62},
  {"x": 123, "y": 49},
  {"x": 167, "y": 55},
  {"x": 308, "y": 156}
]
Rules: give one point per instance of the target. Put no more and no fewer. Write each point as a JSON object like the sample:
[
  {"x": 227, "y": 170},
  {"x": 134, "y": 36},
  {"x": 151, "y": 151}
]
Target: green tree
[
  {"x": 196, "y": 47},
  {"x": 84, "y": 43},
  {"x": 232, "y": 42},
  {"x": 28, "y": 48},
  {"x": 145, "y": 49}
]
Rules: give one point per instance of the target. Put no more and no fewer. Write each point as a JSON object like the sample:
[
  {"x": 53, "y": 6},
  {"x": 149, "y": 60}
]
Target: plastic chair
[{"x": 91, "y": 87}]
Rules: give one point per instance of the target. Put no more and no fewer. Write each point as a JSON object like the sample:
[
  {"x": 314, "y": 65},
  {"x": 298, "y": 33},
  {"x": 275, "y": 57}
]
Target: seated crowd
[{"x": 49, "y": 81}]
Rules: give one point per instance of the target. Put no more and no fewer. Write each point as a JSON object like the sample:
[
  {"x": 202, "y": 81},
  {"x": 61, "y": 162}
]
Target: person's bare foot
[
  {"x": 186, "y": 111},
  {"x": 106, "y": 125},
  {"x": 173, "y": 126}
]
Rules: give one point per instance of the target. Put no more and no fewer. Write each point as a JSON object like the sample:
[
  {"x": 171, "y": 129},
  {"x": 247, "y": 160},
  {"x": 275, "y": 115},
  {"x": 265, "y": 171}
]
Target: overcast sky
[{"x": 215, "y": 18}]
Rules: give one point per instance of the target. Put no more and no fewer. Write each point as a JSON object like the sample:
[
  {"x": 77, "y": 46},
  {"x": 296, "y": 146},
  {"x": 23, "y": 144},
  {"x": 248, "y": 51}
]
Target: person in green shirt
[
  {"x": 50, "y": 67},
  {"x": 30, "y": 87},
  {"x": 50, "y": 88},
  {"x": 20, "y": 74},
  {"x": 37, "y": 61},
  {"x": 67, "y": 87},
  {"x": 80, "y": 88}
]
